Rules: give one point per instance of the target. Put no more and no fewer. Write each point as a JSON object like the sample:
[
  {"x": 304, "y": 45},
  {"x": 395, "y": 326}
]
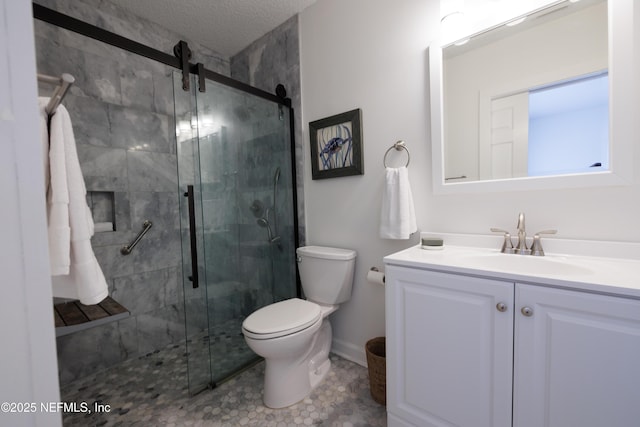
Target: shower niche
[{"x": 103, "y": 210}]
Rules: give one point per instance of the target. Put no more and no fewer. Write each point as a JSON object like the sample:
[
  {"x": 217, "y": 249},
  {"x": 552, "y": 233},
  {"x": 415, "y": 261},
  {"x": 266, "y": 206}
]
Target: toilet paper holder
[{"x": 373, "y": 279}]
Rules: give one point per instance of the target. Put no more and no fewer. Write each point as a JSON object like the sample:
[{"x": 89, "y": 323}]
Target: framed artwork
[{"x": 336, "y": 145}]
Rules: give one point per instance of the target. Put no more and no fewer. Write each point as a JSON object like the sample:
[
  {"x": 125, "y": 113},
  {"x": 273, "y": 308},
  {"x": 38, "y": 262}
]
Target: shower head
[{"x": 264, "y": 223}]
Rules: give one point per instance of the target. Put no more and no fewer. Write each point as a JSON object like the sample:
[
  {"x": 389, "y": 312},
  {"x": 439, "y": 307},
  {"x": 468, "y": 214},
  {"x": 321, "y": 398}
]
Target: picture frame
[{"x": 336, "y": 145}]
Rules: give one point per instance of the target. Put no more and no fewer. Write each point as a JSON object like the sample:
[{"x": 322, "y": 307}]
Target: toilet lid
[{"x": 282, "y": 318}]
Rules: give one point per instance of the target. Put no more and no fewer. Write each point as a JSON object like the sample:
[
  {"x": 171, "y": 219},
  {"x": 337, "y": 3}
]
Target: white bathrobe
[{"x": 74, "y": 267}]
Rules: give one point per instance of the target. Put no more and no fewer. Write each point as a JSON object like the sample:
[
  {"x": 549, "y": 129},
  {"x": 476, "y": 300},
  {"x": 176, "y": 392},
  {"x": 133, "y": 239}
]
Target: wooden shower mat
[{"x": 73, "y": 316}]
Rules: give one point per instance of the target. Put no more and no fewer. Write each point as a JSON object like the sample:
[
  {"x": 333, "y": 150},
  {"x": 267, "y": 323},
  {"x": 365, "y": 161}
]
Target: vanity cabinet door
[
  {"x": 449, "y": 349},
  {"x": 577, "y": 359}
]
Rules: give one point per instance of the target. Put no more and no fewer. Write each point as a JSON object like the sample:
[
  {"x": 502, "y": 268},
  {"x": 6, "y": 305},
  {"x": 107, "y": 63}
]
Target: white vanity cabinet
[
  {"x": 449, "y": 349},
  {"x": 576, "y": 359},
  {"x": 474, "y": 351}
]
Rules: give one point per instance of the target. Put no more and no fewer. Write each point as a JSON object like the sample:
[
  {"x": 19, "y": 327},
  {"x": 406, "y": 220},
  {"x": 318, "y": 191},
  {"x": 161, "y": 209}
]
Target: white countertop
[{"x": 473, "y": 256}]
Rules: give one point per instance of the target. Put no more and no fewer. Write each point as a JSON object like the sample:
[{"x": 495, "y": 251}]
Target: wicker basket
[{"x": 376, "y": 361}]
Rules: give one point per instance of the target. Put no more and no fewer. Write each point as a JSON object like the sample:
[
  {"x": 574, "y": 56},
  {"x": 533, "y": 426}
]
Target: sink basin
[{"x": 526, "y": 264}]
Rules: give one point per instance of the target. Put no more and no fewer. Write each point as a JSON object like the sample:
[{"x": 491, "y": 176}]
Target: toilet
[{"x": 294, "y": 335}]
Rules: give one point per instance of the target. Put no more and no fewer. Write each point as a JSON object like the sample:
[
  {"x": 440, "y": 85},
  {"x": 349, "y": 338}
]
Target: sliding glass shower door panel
[
  {"x": 192, "y": 238},
  {"x": 235, "y": 153}
]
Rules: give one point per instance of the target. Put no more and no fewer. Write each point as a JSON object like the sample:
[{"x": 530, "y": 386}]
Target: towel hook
[{"x": 399, "y": 145}]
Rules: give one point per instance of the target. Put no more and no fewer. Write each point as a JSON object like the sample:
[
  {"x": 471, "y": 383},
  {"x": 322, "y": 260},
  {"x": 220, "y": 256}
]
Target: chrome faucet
[{"x": 521, "y": 248}]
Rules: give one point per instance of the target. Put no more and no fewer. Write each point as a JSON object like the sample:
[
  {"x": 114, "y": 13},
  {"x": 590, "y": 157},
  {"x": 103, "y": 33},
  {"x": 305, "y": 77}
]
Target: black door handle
[{"x": 192, "y": 235}]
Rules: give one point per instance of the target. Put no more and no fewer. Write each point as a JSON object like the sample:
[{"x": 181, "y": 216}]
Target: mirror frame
[{"x": 623, "y": 101}]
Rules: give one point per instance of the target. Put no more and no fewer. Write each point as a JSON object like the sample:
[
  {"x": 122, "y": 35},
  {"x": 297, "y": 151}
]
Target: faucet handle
[
  {"x": 546, "y": 232},
  {"x": 536, "y": 246},
  {"x": 499, "y": 230},
  {"x": 507, "y": 245}
]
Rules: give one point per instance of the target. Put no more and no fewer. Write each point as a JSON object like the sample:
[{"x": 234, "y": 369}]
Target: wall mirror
[{"x": 542, "y": 104}]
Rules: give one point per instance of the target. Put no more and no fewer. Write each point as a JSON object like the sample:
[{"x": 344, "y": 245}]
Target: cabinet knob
[
  {"x": 527, "y": 311},
  {"x": 502, "y": 307}
]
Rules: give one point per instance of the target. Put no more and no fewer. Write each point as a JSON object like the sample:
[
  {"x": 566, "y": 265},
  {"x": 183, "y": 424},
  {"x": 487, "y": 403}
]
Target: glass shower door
[{"x": 237, "y": 221}]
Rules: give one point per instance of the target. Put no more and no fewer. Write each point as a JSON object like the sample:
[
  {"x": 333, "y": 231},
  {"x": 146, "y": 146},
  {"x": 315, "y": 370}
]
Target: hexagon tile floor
[{"x": 152, "y": 391}]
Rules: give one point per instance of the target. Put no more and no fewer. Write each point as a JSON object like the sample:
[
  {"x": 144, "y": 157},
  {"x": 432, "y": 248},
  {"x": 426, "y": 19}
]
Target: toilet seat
[{"x": 281, "y": 318}]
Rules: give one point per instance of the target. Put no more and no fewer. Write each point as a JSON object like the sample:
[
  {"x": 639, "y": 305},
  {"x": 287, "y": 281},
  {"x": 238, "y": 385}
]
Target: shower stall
[
  {"x": 237, "y": 219},
  {"x": 220, "y": 192}
]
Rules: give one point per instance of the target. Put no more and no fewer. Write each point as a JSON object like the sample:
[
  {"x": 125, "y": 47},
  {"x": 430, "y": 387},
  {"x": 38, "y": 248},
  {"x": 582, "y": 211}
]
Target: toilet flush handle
[{"x": 298, "y": 258}]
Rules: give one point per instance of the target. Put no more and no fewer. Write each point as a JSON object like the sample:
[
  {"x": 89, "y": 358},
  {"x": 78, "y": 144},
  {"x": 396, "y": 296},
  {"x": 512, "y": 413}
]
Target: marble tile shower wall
[
  {"x": 268, "y": 61},
  {"x": 266, "y": 151},
  {"x": 122, "y": 111},
  {"x": 262, "y": 155},
  {"x": 237, "y": 167}
]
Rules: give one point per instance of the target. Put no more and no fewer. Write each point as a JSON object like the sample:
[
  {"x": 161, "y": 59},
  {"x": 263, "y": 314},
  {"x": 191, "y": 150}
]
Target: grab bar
[{"x": 126, "y": 250}]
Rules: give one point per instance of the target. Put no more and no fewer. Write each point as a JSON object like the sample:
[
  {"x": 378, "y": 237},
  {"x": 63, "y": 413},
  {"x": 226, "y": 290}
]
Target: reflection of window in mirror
[{"x": 569, "y": 127}]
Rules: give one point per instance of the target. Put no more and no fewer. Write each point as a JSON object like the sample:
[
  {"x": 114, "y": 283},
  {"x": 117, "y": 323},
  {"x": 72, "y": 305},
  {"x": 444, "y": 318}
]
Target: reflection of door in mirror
[
  {"x": 494, "y": 127},
  {"x": 503, "y": 145}
]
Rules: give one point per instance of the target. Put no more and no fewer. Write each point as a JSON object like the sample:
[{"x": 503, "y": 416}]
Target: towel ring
[{"x": 400, "y": 145}]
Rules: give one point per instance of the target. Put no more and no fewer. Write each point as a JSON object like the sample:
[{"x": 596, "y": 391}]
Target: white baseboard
[
  {"x": 349, "y": 351},
  {"x": 395, "y": 421}
]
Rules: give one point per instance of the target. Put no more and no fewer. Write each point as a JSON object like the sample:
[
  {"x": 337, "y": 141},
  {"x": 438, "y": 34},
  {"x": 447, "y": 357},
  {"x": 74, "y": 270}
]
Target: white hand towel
[
  {"x": 83, "y": 278},
  {"x": 397, "y": 216}
]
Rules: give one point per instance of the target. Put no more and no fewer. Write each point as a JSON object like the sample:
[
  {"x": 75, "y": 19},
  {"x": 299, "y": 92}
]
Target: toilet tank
[{"x": 326, "y": 273}]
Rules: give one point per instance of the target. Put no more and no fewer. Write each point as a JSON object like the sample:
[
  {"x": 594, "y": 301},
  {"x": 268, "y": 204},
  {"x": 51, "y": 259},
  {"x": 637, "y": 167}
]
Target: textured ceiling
[{"x": 226, "y": 26}]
